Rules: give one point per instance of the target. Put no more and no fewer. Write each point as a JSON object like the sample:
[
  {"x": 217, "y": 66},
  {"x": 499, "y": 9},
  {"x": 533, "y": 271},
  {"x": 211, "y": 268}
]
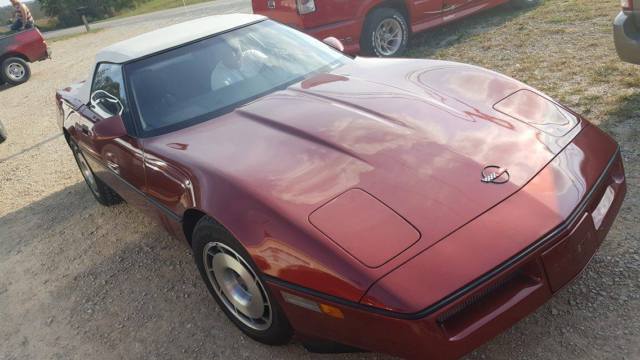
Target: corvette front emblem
[
  {"x": 271, "y": 4},
  {"x": 493, "y": 174}
]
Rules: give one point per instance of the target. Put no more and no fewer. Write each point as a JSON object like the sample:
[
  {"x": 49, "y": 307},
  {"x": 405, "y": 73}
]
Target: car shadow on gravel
[
  {"x": 629, "y": 108},
  {"x": 33, "y": 222},
  {"x": 112, "y": 281},
  {"x": 427, "y": 43}
]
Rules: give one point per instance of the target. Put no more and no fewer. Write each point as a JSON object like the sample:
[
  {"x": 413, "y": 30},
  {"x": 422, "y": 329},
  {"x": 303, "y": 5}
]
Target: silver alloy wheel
[
  {"x": 85, "y": 170},
  {"x": 16, "y": 71},
  {"x": 237, "y": 285},
  {"x": 388, "y": 37}
]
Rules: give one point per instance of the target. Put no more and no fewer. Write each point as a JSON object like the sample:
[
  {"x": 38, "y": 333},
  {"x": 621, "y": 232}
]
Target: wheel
[
  {"x": 524, "y": 4},
  {"x": 15, "y": 71},
  {"x": 234, "y": 281},
  {"x": 101, "y": 191},
  {"x": 3, "y": 134},
  {"x": 385, "y": 33}
]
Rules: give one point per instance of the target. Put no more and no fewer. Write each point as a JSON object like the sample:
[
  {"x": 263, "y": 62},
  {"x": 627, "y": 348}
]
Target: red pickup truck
[
  {"x": 16, "y": 51},
  {"x": 373, "y": 27}
]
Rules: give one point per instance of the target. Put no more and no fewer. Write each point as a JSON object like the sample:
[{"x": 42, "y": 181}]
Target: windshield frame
[{"x": 134, "y": 110}]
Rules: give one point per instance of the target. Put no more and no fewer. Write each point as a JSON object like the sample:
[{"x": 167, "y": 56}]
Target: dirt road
[{"x": 79, "y": 281}]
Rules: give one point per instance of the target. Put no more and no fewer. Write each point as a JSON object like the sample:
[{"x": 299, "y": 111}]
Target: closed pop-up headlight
[
  {"x": 538, "y": 111},
  {"x": 306, "y": 6}
]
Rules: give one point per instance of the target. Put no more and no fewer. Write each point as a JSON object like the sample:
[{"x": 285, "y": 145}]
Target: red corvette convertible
[{"x": 411, "y": 207}]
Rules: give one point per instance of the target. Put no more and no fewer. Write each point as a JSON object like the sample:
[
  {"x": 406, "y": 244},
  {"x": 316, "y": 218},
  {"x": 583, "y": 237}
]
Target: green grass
[{"x": 156, "y": 5}]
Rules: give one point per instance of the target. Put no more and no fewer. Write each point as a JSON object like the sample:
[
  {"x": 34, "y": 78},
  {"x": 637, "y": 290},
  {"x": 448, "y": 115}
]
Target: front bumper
[
  {"x": 626, "y": 35},
  {"x": 493, "y": 302}
]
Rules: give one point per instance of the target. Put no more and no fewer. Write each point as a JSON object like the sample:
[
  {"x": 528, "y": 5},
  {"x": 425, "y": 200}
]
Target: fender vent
[{"x": 489, "y": 303}]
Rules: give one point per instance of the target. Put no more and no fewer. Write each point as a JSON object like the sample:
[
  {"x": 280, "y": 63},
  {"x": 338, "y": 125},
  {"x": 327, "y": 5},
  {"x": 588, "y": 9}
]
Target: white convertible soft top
[
  {"x": 166, "y": 38},
  {"x": 172, "y": 36}
]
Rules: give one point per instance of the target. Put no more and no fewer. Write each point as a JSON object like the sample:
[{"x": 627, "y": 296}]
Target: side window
[{"x": 108, "y": 95}]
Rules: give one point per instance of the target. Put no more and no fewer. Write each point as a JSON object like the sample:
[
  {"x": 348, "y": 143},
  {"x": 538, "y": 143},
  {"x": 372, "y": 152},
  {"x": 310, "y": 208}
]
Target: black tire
[
  {"x": 524, "y": 4},
  {"x": 208, "y": 232},
  {"x": 101, "y": 191},
  {"x": 373, "y": 21},
  {"x": 3, "y": 133},
  {"x": 9, "y": 74}
]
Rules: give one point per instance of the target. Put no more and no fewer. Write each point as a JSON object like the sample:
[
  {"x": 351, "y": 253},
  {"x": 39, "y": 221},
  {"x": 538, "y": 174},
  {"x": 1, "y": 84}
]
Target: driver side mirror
[
  {"x": 109, "y": 128},
  {"x": 105, "y": 104},
  {"x": 110, "y": 110},
  {"x": 334, "y": 43}
]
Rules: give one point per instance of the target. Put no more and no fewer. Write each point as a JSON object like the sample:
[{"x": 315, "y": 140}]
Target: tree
[{"x": 65, "y": 11}]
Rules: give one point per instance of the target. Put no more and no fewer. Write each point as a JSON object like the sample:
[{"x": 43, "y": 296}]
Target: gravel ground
[{"x": 81, "y": 281}]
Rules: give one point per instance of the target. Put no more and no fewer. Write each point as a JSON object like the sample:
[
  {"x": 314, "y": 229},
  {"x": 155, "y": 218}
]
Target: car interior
[{"x": 207, "y": 78}]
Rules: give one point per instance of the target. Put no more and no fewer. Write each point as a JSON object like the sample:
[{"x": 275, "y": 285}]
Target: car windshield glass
[{"x": 205, "y": 79}]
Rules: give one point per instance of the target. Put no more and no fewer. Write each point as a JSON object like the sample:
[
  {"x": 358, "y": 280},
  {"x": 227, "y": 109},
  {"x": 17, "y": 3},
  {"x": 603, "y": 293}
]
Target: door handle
[
  {"x": 85, "y": 129},
  {"x": 113, "y": 166}
]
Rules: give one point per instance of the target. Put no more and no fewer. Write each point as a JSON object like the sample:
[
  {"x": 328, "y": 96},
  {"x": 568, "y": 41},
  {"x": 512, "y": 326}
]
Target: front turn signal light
[
  {"x": 332, "y": 311},
  {"x": 313, "y": 306}
]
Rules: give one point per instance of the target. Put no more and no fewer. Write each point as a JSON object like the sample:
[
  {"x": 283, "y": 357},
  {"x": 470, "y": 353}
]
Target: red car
[
  {"x": 411, "y": 207},
  {"x": 373, "y": 27},
  {"x": 16, "y": 51}
]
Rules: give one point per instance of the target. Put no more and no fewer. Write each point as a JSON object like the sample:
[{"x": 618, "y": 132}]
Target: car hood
[{"x": 414, "y": 135}]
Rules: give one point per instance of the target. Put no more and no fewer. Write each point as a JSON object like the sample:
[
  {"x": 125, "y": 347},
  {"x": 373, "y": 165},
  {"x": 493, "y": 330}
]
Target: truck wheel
[
  {"x": 524, "y": 4},
  {"x": 385, "y": 33},
  {"x": 15, "y": 71}
]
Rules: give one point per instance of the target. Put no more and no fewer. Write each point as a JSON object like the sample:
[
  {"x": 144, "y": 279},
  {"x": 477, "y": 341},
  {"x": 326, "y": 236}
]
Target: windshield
[{"x": 213, "y": 76}]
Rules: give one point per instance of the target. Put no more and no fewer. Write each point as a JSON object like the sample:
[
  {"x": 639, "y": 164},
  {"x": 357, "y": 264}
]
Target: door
[
  {"x": 452, "y": 5},
  {"x": 455, "y": 9},
  {"x": 425, "y": 13},
  {"x": 117, "y": 162}
]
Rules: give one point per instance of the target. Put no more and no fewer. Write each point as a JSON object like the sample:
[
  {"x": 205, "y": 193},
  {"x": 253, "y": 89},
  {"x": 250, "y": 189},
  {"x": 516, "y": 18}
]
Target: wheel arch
[
  {"x": 66, "y": 134},
  {"x": 16, "y": 55},
  {"x": 190, "y": 219},
  {"x": 399, "y": 5}
]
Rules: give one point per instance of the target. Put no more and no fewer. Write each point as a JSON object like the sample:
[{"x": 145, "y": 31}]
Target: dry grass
[{"x": 563, "y": 47}]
